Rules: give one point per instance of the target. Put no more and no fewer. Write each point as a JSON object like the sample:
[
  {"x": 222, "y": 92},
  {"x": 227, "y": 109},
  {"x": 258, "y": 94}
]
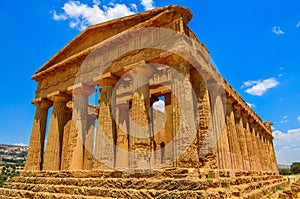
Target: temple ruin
[{"x": 208, "y": 135}]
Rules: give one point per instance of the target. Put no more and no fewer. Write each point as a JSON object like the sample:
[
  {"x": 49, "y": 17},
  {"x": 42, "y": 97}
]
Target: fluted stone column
[
  {"x": 225, "y": 147},
  {"x": 168, "y": 154},
  {"x": 184, "y": 126},
  {"x": 140, "y": 145},
  {"x": 219, "y": 126},
  {"x": 75, "y": 154},
  {"x": 65, "y": 143},
  {"x": 106, "y": 129},
  {"x": 241, "y": 137},
  {"x": 271, "y": 160},
  {"x": 36, "y": 147},
  {"x": 248, "y": 140},
  {"x": 261, "y": 148},
  {"x": 255, "y": 146},
  {"x": 59, "y": 118},
  {"x": 265, "y": 154},
  {"x": 236, "y": 158},
  {"x": 202, "y": 117},
  {"x": 122, "y": 120},
  {"x": 89, "y": 142},
  {"x": 275, "y": 165}
]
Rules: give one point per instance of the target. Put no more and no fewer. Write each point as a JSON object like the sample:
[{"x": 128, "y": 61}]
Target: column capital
[
  {"x": 251, "y": 120},
  {"x": 106, "y": 79},
  {"x": 59, "y": 96},
  {"x": 81, "y": 88},
  {"x": 237, "y": 107},
  {"x": 230, "y": 100},
  {"x": 245, "y": 114},
  {"x": 41, "y": 102}
]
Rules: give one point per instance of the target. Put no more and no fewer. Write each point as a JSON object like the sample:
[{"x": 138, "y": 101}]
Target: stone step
[
  {"x": 31, "y": 191},
  {"x": 237, "y": 191},
  {"x": 262, "y": 192},
  {"x": 25, "y": 194},
  {"x": 118, "y": 183},
  {"x": 160, "y": 183},
  {"x": 170, "y": 187}
]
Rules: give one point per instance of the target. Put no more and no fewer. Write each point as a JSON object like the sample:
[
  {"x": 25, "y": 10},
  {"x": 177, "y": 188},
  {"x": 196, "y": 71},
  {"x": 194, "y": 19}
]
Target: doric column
[
  {"x": 270, "y": 158},
  {"x": 89, "y": 142},
  {"x": 78, "y": 130},
  {"x": 261, "y": 148},
  {"x": 202, "y": 117},
  {"x": 225, "y": 147},
  {"x": 241, "y": 136},
  {"x": 122, "y": 120},
  {"x": 257, "y": 165},
  {"x": 37, "y": 139},
  {"x": 65, "y": 142},
  {"x": 59, "y": 118},
  {"x": 248, "y": 140},
  {"x": 265, "y": 152},
  {"x": 235, "y": 149},
  {"x": 140, "y": 145},
  {"x": 275, "y": 165},
  {"x": 106, "y": 129},
  {"x": 168, "y": 151},
  {"x": 184, "y": 126}
]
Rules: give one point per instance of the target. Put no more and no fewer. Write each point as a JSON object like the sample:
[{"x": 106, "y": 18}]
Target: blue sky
[{"x": 255, "y": 45}]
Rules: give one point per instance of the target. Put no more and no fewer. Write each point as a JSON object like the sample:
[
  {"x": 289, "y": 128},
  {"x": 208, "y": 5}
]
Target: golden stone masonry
[{"x": 208, "y": 143}]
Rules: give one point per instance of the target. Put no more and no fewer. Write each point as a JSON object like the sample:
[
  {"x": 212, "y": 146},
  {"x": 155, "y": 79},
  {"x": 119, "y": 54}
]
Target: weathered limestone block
[
  {"x": 52, "y": 160},
  {"x": 37, "y": 139}
]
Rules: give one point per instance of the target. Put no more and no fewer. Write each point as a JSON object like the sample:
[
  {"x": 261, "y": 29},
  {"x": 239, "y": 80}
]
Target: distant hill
[{"x": 13, "y": 155}]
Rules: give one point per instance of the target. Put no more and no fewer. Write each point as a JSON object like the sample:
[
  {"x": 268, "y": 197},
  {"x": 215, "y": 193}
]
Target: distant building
[{"x": 282, "y": 166}]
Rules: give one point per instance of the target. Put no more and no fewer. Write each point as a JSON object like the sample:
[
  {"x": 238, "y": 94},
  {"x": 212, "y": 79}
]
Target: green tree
[
  {"x": 285, "y": 172},
  {"x": 295, "y": 168}
]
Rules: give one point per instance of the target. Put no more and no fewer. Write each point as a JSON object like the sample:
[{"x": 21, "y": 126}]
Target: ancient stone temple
[{"x": 95, "y": 105}]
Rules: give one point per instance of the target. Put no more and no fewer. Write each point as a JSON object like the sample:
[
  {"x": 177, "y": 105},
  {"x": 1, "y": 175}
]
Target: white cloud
[
  {"x": 291, "y": 138},
  {"x": 96, "y": 2},
  {"x": 80, "y": 15},
  {"x": 251, "y": 105},
  {"x": 287, "y": 155},
  {"x": 298, "y": 118},
  {"x": 134, "y": 7},
  {"x": 287, "y": 146},
  {"x": 159, "y": 105},
  {"x": 259, "y": 87},
  {"x": 148, "y": 4},
  {"x": 284, "y": 119},
  {"x": 280, "y": 75},
  {"x": 298, "y": 24},
  {"x": 277, "y": 30}
]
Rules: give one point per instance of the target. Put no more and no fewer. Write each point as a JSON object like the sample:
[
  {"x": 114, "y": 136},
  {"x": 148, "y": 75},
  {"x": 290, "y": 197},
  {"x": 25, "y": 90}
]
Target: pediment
[{"x": 99, "y": 32}]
